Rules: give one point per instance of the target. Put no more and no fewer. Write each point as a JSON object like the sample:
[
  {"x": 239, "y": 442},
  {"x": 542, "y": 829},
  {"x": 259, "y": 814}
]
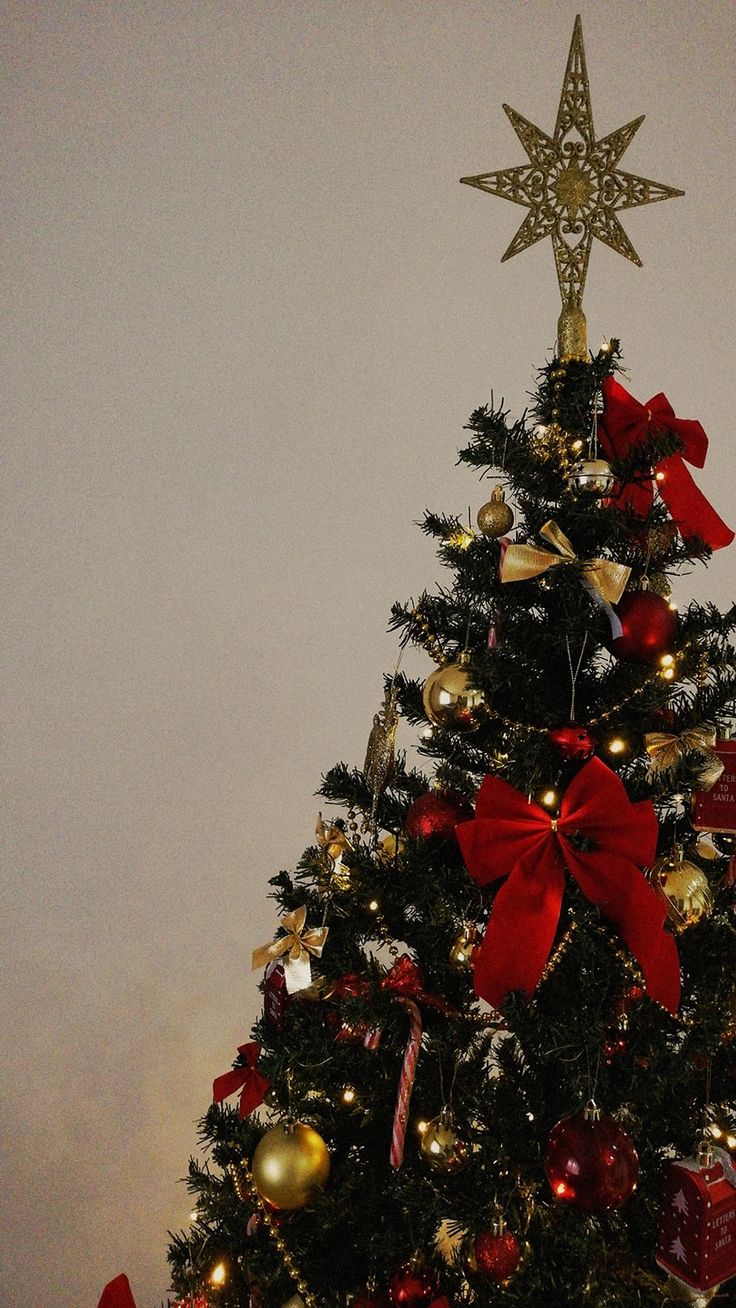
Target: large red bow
[
  {"x": 117, "y": 1294},
  {"x": 511, "y": 835},
  {"x": 254, "y": 1085},
  {"x": 626, "y": 424}
]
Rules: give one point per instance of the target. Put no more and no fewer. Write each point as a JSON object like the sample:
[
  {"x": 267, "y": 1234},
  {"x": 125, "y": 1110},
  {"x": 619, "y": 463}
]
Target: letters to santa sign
[
  {"x": 697, "y": 1234},
  {"x": 715, "y": 809}
]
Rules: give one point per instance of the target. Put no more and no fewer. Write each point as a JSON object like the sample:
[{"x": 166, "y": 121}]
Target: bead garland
[{"x": 246, "y": 1191}]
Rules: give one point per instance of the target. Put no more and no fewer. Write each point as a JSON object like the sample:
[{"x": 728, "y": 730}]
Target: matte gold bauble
[
  {"x": 590, "y": 477},
  {"x": 495, "y": 518},
  {"x": 463, "y": 947},
  {"x": 449, "y": 697},
  {"x": 441, "y": 1146},
  {"x": 660, "y": 538},
  {"x": 291, "y": 1165},
  {"x": 685, "y": 888}
]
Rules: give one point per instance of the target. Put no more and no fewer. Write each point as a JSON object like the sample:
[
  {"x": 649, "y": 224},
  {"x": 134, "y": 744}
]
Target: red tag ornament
[
  {"x": 715, "y": 809},
  {"x": 697, "y": 1234},
  {"x": 513, "y": 837}
]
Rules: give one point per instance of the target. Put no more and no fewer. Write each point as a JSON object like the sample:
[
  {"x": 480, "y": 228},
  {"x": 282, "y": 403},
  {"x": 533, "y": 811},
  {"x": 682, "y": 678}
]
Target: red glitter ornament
[
  {"x": 413, "y": 1285},
  {"x": 573, "y": 741},
  {"x": 436, "y": 814},
  {"x": 497, "y": 1252},
  {"x": 648, "y": 626},
  {"x": 590, "y": 1162}
]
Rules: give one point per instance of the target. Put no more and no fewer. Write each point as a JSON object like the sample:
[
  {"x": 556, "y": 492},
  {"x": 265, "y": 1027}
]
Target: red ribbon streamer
[
  {"x": 254, "y": 1085},
  {"x": 511, "y": 835},
  {"x": 624, "y": 425},
  {"x": 406, "y": 980}
]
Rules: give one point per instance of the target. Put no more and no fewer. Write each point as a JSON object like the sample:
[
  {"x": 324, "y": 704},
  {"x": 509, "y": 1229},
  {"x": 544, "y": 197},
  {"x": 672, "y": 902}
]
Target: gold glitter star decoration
[{"x": 573, "y": 188}]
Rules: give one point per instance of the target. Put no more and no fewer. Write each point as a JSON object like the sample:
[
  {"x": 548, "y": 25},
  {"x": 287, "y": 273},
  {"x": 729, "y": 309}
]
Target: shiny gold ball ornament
[
  {"x": 463, "y": 948},
  {"x": 450, "y": 698},
  {"x": 291, "y": 1165},
  {"x": 590, "y": 477},
  {"x": 441, "y": 1146},
  {"x": 685, "y": 888},
  {"x": 495, "y": 518}
]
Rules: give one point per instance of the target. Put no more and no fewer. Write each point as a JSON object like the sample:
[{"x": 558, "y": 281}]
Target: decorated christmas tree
[{"x": 495, "y": 1061}]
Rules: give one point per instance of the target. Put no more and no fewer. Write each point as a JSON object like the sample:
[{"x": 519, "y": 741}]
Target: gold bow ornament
[
  {"x": 666, "y": 751},
  {"x": 604, "y": 579},
  {"x": 299, "y": 944}
]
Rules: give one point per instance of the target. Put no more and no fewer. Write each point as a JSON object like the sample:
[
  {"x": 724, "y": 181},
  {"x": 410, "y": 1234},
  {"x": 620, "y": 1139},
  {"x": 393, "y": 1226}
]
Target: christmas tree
[{"x": 495, "y": 1062}]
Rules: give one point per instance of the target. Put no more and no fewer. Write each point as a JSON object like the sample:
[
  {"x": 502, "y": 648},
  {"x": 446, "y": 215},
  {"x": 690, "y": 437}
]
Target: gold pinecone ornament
[{"x": 685, "y": 888}]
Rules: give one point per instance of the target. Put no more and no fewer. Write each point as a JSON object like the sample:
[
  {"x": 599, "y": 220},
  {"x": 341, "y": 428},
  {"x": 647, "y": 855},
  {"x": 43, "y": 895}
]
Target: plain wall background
[{"x": 248, "y": 309}]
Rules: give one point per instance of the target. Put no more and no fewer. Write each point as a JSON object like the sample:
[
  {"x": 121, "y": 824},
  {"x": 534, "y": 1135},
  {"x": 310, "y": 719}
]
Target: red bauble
[
  {"x": 413, "y": 1285},
  {"x": 590, "y": 1162},
  {"x": 573, "y": 741},
  {"x": 497, "y": 1254},
  {"x": 437, "y": 814},
  {"x": 648, "y": 626}
]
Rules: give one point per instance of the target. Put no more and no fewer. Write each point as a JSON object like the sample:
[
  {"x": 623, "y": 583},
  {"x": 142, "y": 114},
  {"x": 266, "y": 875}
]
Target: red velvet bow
[
  {"x": 511, "y": 835},
  {"x": 406, "y": 980},
  {"x": 626, "y": 424},
  {"x": 254, "y": 1085}
]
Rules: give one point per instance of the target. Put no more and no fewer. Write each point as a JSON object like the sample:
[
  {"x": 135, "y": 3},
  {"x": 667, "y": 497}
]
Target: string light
[
  {"x": 422, "y": 1126},
  {"x": 218, "y": 1275},
  {"x": 349, "y": 1095},
  {"x": 617, "y": 745},
  {"x": 374, "y": 906},
  {"x": 549, "y": 799}
]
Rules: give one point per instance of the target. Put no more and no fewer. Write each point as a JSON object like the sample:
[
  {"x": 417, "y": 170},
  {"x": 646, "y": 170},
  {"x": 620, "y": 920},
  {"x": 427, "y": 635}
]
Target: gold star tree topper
[{"x": 573, "y": 189}]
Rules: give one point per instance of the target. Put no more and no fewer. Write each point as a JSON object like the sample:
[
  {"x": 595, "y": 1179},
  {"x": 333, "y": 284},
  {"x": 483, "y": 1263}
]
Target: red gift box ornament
[
  {"x": 511, "y": 836},
  {"x": 697, "y": 1233},
  {"x": 626, "y": 424}
]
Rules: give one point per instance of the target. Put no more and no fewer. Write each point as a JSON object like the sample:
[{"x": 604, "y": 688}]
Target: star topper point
[{"x": 573, "y": 189}]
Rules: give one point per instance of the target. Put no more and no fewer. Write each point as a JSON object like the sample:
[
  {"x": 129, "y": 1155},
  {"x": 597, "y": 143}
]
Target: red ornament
[
  {"x": 497, "y": 1253},
  {"x": 413, "y": 1285},
  {"x": 371, "y": 1297},
  {"x": 276, "y": 998},
  {"x": 573, "y": 741},
  {"x": 697, "y": 1232},
  {"x": 648, "y": 626},
  {"x": 715, "y": 809},
  {"x": 436, "y": 814},
  {"x": 590, "y": 1162}
]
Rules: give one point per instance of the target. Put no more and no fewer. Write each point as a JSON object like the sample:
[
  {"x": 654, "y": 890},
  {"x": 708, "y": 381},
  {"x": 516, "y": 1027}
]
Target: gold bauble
[
  {"x": 291, "y": 1165},
  {"x": 441, "y": 1146},
  {"x": 463, "y": 947},
  {"x": 685, "y": 888},
  {"x": 590, "y": 477},
  {"x": 495, "y": 518},
  {"x": 449, "y": 697}
]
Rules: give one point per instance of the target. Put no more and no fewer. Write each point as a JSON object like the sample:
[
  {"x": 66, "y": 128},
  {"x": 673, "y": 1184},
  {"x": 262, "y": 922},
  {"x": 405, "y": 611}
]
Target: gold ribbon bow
[
  {"x": 666, "y": 751},
  {"x": 299, "y": 944},
  {"x": 523, "y": 561}
]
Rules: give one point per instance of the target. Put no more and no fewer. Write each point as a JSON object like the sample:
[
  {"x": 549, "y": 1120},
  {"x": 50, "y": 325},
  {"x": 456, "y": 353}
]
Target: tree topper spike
[{"x": 573, "y": 189}]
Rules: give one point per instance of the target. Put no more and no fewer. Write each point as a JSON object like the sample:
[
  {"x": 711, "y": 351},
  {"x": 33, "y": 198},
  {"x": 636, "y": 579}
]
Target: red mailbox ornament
[
  {"x": 715, "y": 809},
  {"x": 697, "y": 1232}
]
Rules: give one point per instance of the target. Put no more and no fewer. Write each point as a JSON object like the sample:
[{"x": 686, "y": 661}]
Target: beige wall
[{"x": 248, "y": 309}]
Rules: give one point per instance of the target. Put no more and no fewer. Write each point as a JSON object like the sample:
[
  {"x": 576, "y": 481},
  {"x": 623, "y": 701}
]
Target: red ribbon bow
[
  {"x": 510, "y": 834},
  {"x": 406, "y": 980},
  {"x": 254, "y": 1085},
  {"x": 626, "y": 424},
  {"x": 117, "y": 1294}
]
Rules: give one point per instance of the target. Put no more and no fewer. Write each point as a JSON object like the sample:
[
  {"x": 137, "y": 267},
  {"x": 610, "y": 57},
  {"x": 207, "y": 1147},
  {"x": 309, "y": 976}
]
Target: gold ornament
[
  {"x": 678, "y": 1291},
  {"x": 391, "y": 847},
  {"x": 685, "y": 888},
  {"x": 520, "y": 562},
  {"x": 495, "y": 518},
  {"x": 331, "y": 838},
  {"x": 659, "y": 584},
  {"x": 463, "y": 947},
  {"x": 590, "y": 477},
  {"x": 441, "y": 1146},
  {"x": 380, "y": 753},
  {"x": 449, "y": 697},
  {"x": 291, "y": 1165},
  {"x": 661, "y": 538},
  {"x": 573, "y": 189},
  {"x": 665, "y": 752}
]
